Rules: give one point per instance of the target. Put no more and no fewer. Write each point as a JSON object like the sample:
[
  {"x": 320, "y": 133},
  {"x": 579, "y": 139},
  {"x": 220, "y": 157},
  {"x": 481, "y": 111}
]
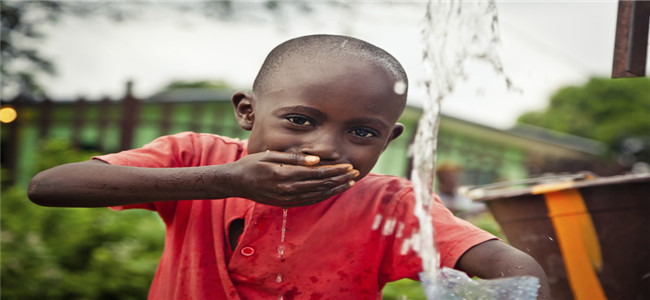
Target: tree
[
  {"x": 23, "y": 22},
  {"x": 206, "y": 84},
  {"x": 22, "y": 30},
  {"x": 20, "y": 60},
  {"x": 613, "y": 111}
]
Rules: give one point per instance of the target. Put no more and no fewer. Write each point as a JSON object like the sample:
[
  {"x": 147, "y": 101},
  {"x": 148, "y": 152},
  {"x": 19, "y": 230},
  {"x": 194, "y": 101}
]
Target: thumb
[{"x": 290, "y": 158}]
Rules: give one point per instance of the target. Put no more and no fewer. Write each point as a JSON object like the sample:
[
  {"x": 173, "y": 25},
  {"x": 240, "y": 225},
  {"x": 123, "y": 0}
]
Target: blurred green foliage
[
  {"x": 404, "y": 289},
  {"x": 73, "y": 253},
  {"x": 613, "y": 111}
]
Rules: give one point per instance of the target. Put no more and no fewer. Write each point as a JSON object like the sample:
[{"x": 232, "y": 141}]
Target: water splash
[
  {"x": 453, "y": 284},
  {"x": 454, "y": 34}
]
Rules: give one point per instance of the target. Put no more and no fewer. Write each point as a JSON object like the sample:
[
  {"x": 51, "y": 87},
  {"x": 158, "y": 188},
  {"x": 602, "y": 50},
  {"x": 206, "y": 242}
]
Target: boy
[{"x": 294, "y": 211}]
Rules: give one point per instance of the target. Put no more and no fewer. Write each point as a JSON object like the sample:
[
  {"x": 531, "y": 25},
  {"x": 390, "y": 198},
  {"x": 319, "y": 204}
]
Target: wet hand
[{"x": 288, "y": 179}]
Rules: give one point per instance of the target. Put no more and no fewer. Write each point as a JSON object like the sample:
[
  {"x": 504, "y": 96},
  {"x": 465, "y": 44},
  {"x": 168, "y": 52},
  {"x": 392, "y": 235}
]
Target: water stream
[
  {"x": 281, "y": 245},
  {"x": 454, "y": 34},
  {"x": 283, "y": 233}
]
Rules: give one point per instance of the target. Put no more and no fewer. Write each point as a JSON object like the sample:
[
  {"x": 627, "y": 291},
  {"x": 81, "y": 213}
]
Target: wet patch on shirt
[
  {"x": 291, "y": 294},
  {"x": 389, "y": 226}
]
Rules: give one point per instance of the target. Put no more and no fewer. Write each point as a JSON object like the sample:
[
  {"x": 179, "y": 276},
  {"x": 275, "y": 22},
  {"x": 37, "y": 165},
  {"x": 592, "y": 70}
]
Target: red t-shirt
[{"x": 347, "y": 247}]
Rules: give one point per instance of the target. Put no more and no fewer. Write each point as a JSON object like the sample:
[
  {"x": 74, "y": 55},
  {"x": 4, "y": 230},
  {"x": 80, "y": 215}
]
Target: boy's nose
[{"x": 325, "y": 146}]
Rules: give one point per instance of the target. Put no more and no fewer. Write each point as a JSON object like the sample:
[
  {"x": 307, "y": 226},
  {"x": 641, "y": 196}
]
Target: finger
[
  {"x": 316, "y": 197},
  {"x": 319, "y": 185},
  {"x": 299, "y": 173},
  {"x": 290, "y": 158},
  {"x": 294, "y": 166}
]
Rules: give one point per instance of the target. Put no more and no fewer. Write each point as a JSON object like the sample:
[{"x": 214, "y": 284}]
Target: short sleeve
[{"x": 453, "y": 237}]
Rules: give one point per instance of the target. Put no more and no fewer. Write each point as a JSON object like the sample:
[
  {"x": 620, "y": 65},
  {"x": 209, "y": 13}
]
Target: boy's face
[{"x": 341, "y": 111}]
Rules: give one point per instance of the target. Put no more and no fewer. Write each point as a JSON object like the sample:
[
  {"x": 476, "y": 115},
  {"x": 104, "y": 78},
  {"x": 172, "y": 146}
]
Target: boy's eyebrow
[
  {"x": 372, "y": 122},
  {"x": 319, "y": 114},
  {"x": 300, "y": 108}
]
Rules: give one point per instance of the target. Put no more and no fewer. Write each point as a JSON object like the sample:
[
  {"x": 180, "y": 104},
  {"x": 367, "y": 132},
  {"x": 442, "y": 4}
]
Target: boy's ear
[
  {"x": 243, "y": 103},
  {"x": 398, "y": 129}
]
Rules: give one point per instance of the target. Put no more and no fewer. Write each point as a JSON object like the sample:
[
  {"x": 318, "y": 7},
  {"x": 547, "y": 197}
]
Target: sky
[{"x": 543, "y": 46}]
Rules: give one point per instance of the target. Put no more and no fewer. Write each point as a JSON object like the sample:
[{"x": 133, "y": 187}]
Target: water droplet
[
  {"x": 280, "y": 250},
  {"x": 550, "y": 238},
  {"x": 376, "y": 222},
  {"x": 389, "y": 226},
  {"x": 400, "y": 87},
  {"x": 400, "y": 230}
]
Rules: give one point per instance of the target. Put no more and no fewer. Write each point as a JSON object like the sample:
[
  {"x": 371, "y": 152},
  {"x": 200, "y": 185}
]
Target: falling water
[
  {"x": 281, "y": 246},
  {"x": 283, "y": 233},
  {"x": 454, "y": 34}
]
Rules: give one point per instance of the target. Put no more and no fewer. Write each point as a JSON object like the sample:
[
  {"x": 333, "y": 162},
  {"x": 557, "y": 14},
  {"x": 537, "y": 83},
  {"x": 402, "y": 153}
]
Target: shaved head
[{"x": 310, "y": 48}]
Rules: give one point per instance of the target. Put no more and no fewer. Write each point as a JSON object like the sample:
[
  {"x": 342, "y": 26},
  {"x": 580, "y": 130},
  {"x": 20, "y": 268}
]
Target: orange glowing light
[{"x": 7, "y": 115}]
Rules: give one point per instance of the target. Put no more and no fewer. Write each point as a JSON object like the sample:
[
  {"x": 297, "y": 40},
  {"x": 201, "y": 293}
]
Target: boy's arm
[
  {"x": 496, "y": 259},
  {"x": 273, "y": 178}
]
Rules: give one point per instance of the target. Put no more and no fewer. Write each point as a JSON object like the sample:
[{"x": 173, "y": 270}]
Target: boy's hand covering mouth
[{"x": 288, "y": 179}]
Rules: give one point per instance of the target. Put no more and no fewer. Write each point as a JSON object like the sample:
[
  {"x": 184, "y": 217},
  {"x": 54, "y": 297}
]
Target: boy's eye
[
  {"x": 299, "y": 120},
  {"x": 364, "y": 132}
]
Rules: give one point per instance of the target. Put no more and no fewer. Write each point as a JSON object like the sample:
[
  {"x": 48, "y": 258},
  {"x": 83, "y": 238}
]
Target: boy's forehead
[
  {"x": 346, "y": 77},
  {"x": 326, "y": 69}
]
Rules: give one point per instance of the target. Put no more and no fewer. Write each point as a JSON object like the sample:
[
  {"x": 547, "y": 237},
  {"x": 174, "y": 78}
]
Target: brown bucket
[{"x": 591, "y": 235}]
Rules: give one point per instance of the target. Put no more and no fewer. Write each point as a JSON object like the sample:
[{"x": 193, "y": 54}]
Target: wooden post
[
  {"x": 78, "y": 122},
  {"x": 631, "y": 45},
  {"x": 10, "y": 160},
  {"x": 217, "y": 120},
  {"x": 197, "y": 110},
  {"x": 45, "y": 121},
  {"x": 166, "y": 117},
  {"x": 130, "y": 109},
  {"x": 104, "y": 115}
]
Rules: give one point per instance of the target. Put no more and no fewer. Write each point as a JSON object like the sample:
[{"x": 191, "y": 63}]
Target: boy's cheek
[
  {"x": 281, "y": 143},
  {"x": 259, "y": 143}
]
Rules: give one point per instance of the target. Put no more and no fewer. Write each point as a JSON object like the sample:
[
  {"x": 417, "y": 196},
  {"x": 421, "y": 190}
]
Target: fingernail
[
  {"x": 312, "y": 159},
  {"x": 351, "y": 183}
]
